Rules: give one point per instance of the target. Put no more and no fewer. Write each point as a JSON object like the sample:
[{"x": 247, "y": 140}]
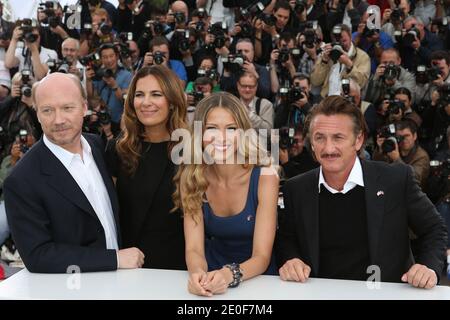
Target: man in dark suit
[
  {"x": 350, "y": 218},
  {"x": 60, "y": 200}
]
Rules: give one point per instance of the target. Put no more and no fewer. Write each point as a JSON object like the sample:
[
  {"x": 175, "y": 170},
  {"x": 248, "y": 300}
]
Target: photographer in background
[
  {"x": 282, "y": 64},
  {"x": 132, "y": 15},
  {"x": 294, "y": 103},
  {"x": 70, "y": 49},
  {"x": 341, "y": 59},
  {"x": 98, "y": 120},
  {"x": 113, "y": 83},
  {"x": 388, "y": 77},
  {"x": 229, "y": 79},
  {"x": 32, "y": 56},
  {"x": 417, "y": 44},
  {"x": 17, "y": 112},
  {"x": 260, "y": 110},
  {"x": 295, "y": 158},
  {"x": 159, "y": 54},
  {"x": 398, "y": 143},
  {"x": 343, "y": 12},
  {"x": 438, "y": 184}
]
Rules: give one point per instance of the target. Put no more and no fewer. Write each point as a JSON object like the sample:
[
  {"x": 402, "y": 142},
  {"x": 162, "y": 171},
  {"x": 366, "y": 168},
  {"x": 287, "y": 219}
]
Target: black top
[
  {"x": 344, "y": 250},
  {"x": 145, "y": 201}
]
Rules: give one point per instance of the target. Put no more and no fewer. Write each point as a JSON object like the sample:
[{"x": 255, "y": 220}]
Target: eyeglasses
[{"x": 247, "y": 86}]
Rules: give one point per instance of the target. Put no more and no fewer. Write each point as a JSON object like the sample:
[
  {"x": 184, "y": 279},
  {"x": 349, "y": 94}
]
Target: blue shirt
[
  {"x": 385, "y": 43},
  {"x": 123, "y": 79},
  {"x": 178, "y": 67}
]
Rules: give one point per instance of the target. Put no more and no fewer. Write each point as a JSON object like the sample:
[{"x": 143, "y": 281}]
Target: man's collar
[{"x": 354, "y": 178}]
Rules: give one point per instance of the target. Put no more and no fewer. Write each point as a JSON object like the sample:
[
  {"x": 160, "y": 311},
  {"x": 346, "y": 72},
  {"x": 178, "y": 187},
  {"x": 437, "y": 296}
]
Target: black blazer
[
  {"x": 394, "y": 204},
  {"x": 51, "y": 221}
]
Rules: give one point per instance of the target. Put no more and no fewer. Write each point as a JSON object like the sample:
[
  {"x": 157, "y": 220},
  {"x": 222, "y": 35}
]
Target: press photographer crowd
[{"x": 280, "y": 58}]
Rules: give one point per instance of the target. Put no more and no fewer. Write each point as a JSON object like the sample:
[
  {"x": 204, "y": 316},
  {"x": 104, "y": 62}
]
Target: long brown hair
[{"x": 129, "y": 146}]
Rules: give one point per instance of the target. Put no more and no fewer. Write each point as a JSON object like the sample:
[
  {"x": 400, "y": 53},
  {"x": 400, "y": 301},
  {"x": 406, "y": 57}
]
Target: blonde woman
[{"x": 230, "y": 208}]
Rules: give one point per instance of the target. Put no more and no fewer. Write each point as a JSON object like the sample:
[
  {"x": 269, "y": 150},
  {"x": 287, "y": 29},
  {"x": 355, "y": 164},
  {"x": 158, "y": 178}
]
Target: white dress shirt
[
  {"x": 86, "y": 174},
  {"x": 354, "y": 178}
]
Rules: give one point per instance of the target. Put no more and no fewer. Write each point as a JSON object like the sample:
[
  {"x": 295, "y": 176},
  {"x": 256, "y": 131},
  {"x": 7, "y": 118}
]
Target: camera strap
[{"x": 258, "y": 106}]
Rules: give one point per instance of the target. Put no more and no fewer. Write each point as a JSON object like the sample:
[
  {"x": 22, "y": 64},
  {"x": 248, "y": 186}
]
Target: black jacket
[
  {"x": 51, "y": 220},
  {"x": 390, "y": 215}
]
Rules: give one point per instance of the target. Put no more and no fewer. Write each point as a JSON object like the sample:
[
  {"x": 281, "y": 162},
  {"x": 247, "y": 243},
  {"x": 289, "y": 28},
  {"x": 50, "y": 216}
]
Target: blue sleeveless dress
[{"x": 230, "y": 239}]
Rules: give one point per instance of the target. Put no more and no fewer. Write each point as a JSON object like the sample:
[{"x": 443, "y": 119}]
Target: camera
[
  {"x": 25, "y": 88},
  {"x": 246, "y": 30},
  {"x": 284, "y": 54},
  {"x": 444, "y": 95},
  {"x": 27, "y": 26},
  {"x": 395, "y": 106},
  {"x": 104, "y": 73},
  {"x": 440, "y": 168},
  {"x": 291, "y": 93},
  {"x": 268, "y": 19},
  {"x": 345, "y": 83},
  {"x": 336, "y": 51},
  {"x": 234, "y": 63},
  {"x": 391, "y": 139},
  {"x": 397, "y": 15},
  {"x": 370, "y": 32},
  {"x": 391, "y": 72},
  {"x": 425, "y": 75},
  {"x": 158, "y": 57},
  {"x": 184, "y": 44},
  {"x": 211, "y": 74},
  {"x": 64, "y": 66},
  {"x": 198, "y": 95},
  {"x": 310, "y": 38},
  {"x": 91, "y": 59},
  {"x": 179, "y": 17},
  {"x": 411, "y": 36},
  {"x": 23, "y": 134},
  {"x": 441, "y": 23},
  {"x": 218, "y": 29},
  {"x": 105, "y": 28},
  {"x": 300, "y": 6},
  {"x": 286, "y": 137}
]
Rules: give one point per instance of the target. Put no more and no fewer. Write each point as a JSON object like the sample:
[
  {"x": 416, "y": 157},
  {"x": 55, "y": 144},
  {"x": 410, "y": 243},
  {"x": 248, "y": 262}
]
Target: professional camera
[
  {"x": 246, "y": 29},
  {"x": 64, "y": 66},
  {"x": 125, "y": 36},
  {"x": 411, "y": 35},
  {"x": 444, "y": 95},
  {"x": 395, "y": 106},
  {"x": 218, "y": 29},
  {"x": 336, "y": 51},
  {"x": 234, "y": 63},
  {"x": 198, "y": 95},
  {"x": 286, "y": 137},
  {"x": 268, "y": 19},
  {"x": 441, "y": 23},
  {"x": 184, "y": 44},
  {"x": 26, "y": 26},
  {"x": 290, "y": 94},
  {"x": 25, "y": 88},
  {"x": 440, "y": 168},
  {"x": 158, "y": 57},
  {"x": 104, "y": 73},
  {"x": 391, "y": 72},
  {"x": 300, "y": 6},
  {"x": 179, "y": 17},
  {"x": 391, "y": 139},
  {"x": 91, "y": 60},
  {"x": 105, "y": 28},
  {"x": 310, "y": 38},
  {"x": 211, "y": 74},
  {"x": 425, "y": 75},
  {"x": 23, "y": 135},
  {"x": 284, "y": 54}
]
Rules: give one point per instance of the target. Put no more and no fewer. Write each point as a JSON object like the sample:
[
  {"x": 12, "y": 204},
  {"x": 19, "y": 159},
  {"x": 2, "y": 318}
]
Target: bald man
[{"x": 60, "y": 199}]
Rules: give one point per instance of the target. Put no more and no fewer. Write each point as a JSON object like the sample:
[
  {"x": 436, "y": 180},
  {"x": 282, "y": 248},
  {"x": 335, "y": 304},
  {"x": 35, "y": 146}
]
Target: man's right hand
[
  {"x": 380, "y": 70},
  {"x": 148, "y": 59},
  {"x": 295, "y": 270},
  {"x": 130, "y": 258},
  {"x": 17, "y": 34}
]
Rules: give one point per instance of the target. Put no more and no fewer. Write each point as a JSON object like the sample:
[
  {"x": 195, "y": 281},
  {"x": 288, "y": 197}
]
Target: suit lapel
[
  {"x": 374, "y": 193},
  {"x": 61, "y": 180},
  {"x": 310, "y": 212}
]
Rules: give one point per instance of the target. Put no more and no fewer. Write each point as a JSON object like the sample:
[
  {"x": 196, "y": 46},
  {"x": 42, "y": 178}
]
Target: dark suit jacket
[
  {"x": 51, "y": 220},
  {"x": 403, "y": 206}
]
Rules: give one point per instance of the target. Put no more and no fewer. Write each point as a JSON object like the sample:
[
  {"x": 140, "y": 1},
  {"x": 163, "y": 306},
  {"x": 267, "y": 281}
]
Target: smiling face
[
  {"x": 334, "y": 143},
  {"x": 220, "y": 135},
  {"x": 152, "y": 107}
]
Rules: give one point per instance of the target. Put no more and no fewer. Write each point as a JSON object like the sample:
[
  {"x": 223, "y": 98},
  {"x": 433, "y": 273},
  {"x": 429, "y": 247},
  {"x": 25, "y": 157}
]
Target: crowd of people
[{"x": 87, "y": 117}]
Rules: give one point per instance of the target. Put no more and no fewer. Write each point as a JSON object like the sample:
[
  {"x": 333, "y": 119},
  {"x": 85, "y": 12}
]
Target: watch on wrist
[{"x": 237, "y": 274}]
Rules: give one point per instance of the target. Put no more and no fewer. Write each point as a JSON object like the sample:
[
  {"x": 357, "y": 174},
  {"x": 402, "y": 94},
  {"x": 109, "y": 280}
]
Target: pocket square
[{"x": 380, "y": 193}]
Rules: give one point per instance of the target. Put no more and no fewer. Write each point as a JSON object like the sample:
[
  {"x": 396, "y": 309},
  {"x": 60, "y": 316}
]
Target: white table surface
[{"x": 172, "y": 285}]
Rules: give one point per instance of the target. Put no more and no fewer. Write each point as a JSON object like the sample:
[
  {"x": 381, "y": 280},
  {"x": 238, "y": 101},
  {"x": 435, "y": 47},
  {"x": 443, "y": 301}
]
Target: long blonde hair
[
  {"x": 190, "y": 180},
  {"x": 129, "y": 144}
]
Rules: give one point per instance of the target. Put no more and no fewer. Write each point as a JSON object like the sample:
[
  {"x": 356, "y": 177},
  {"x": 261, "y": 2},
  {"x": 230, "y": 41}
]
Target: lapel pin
[{"x": 380, "y": 193}]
